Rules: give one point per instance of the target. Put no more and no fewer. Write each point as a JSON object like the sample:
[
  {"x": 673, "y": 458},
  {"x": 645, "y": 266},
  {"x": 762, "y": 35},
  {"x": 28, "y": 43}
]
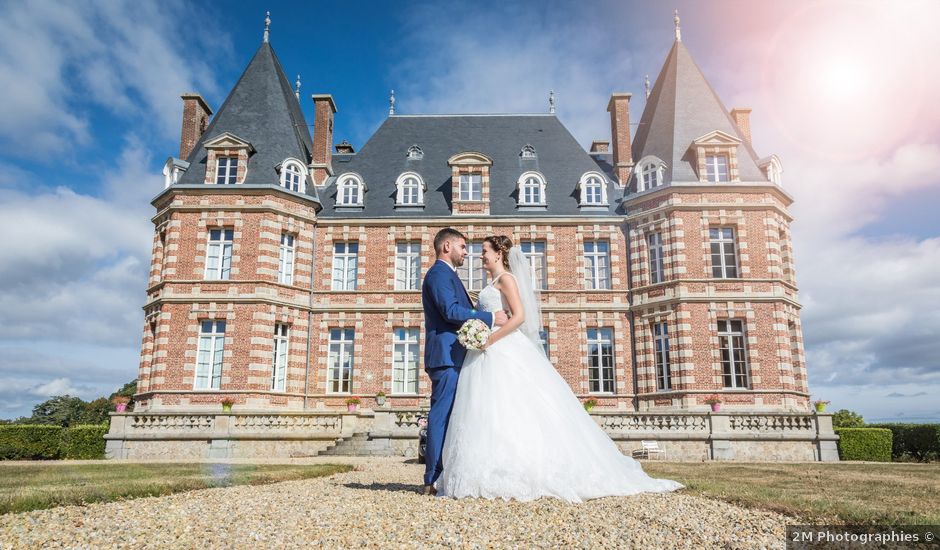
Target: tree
[
  {"x": 96, "y": 412},
  {"x": 845, "y": 418},
  {"x": 127, "y": 390},
  {"x": 61, "y": 410}
]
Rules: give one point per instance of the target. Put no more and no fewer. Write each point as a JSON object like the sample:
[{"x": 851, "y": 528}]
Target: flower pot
[
  {"x": 820, "y": 407},
  {"x": 588, "y": 408},
  {"x": 351, "y": 407},
  {"x": 227, "y": 407},
  {"x": 380, "y": 400},
  {"x": 120, "y": 407},
  {"x": 716, "y": 407}
]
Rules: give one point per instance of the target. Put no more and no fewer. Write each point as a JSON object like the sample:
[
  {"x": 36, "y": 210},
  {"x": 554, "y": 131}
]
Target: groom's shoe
[{"x": 429, "y": 490}]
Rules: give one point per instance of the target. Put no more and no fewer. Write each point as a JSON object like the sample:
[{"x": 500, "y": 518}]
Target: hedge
[
  {"x": 917, "y": 441},
  {"x": 86, "y": 441},
  {"x": 30, "y": 441},
  {"x": 872, "y": 444}
]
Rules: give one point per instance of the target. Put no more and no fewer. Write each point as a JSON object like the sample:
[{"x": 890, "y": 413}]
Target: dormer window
[
  {"x": 293, "y": 175},
  {"x": 410, "y": 190},
  {"x": 172, "y": 170},
  {"x": 350, "y": 191},
  {"x": 772, "y": 169},
  {"x": 528, "y": 152},
  {"x": 471, "y": 187},
  {"x": 531, "y": 189},
  {"x": 226, "y": 170},
  {"x": 716, "y": 168},
  {"x": 593, "y": 190},
  {"x": 415, "y": 153},
  {"x": 650, "y": 171},
  {"x": 716, "y": 157}
]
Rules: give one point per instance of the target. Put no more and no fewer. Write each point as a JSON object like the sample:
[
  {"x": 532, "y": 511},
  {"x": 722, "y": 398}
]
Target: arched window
[
  {"x": 350, "y": 191},
  {"x": 293, "y": 176},
  {"x": 593, "y": 190},
  {"x": 415, "y": 153},
  {"x": 528, "y": 152},
  {"x": 531, "y": 189},
  {"x": 410, "y": 190},
  {"x": 650, "y": 174}
]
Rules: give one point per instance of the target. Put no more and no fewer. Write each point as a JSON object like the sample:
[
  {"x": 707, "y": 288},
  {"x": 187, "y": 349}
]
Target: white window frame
[
  {"x": 535, "y": 253},
  {"x": 350, "y": 191},
  {"x": 655, "y": 243},
  {"x": 405, "y": 358},
  {"x": 219, "y": 254},
  {"x": 210, "y": 355},
  {"x": 345, "y": 261},
  {"x": 722, "y": 248},
  {"x": 648, "y": 167},
  {"x": 471, "y": 187},
  {"x": 597, "y": 276},
  {"x": 413, "y": 190},
  {"x": 226, "y": 173},
  {"x": 471, "y": 272},
  {"x": 593, "y": 188},
  {"x": 713, "y": 167},
  {"x": 732, "y": 345},
  {"x": 661, "y": 352},
  {"x": 340, "y": 361},
  {"x": 407, "y": 265},
  {"x": 531, "y": 183},
  {"x": 280, "y": 357},
  {"x": 285, "y": 265},
  {"x": 601, "y": 373},
  {"x": 294, "y": 173}
]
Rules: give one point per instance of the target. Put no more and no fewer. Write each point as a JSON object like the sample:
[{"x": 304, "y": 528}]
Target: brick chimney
[
  {"x": 600, "y": 146},
  {"x": 619, "y": 109},
  {"x": 742, "y": 117},
  {"x": 321, "y": 163},
  {"x": 195, "y": 119}
]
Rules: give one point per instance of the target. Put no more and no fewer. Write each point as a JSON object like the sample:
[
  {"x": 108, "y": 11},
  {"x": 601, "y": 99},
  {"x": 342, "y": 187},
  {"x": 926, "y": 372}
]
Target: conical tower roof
[
  {"x": 682, "y": 107},
  {"x": 262, "y": 110}
]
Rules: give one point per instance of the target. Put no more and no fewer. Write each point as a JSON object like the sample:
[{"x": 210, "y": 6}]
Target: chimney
[
  {"x": 742, "y": 117},
  {"x": 321, "y": 163},
  {"x": 619, "y": 109},
  {"x": 195, "y": 119},
  {"x": 344, "y": 148},
  {"x": 600, "y": 146}
]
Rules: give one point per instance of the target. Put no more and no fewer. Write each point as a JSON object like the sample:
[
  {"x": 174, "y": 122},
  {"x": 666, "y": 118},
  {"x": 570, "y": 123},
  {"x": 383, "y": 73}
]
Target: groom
[{"x": 446, "y": 307}]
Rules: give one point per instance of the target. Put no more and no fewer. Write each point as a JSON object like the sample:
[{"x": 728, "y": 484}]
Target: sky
[{"x": 839, "y": 91}]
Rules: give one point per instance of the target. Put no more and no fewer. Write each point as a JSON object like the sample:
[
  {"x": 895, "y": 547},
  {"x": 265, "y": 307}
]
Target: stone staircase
[{"x": 360, "y": 444}]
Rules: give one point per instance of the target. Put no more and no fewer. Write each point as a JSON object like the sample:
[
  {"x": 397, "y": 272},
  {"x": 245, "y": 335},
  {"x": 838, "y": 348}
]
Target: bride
[{"x": 517, "y": 430}]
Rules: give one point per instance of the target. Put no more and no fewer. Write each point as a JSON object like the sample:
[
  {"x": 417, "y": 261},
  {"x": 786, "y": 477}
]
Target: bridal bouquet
[{"x": 473, "y": 334}]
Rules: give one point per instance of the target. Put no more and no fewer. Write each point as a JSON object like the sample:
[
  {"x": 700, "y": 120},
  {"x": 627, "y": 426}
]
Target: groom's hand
[{"x": 500, "y": 318}]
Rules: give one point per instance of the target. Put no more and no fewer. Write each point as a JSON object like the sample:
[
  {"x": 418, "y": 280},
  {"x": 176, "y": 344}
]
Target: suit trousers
[{"x": 443, "y": 391}]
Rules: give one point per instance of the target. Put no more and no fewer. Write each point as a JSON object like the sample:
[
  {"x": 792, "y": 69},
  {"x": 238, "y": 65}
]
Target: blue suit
[{"x": 446, "y": 307}]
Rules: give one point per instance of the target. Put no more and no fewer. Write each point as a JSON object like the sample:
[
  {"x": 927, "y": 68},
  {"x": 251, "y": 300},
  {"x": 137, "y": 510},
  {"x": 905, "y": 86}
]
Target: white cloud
[{"x": 59, "y": 386}]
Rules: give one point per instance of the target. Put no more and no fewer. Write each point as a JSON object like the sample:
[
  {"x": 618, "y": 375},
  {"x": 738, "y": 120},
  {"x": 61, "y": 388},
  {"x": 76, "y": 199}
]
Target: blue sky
[{"x": 91, "y": 110}]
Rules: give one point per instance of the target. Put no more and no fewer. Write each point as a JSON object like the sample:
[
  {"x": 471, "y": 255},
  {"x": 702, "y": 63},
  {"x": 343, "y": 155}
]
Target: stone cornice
[{"x": 699, "y": 188}]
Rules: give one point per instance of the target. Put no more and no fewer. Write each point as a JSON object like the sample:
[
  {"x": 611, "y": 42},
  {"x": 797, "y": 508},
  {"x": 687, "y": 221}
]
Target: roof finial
[
  {"x": 678, "y": 30},
  {"x": 391, "y": 103},
  {"x": 551, "y": 101},
  {"x": 267, "y": 27},
  {"x": 297, "y": 88},
  {"x": 646, "y": 85}
]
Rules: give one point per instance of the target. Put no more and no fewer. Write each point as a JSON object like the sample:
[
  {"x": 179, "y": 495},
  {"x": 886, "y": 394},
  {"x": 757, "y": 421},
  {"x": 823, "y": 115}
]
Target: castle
[{"x": 287, "y": 269}]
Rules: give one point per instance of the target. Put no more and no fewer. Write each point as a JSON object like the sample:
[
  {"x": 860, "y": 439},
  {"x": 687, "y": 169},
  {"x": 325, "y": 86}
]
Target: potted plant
[
  {"x": 380, "y": 398},
  {"x": 590, "y": 403},
  {"x": 120, "y": 403},
  {"x": 352, "y": 403},
  {"x": 715, "y": 403},
  {"x": 227, "y": 403},
  {"x": 820, "y": 405}
]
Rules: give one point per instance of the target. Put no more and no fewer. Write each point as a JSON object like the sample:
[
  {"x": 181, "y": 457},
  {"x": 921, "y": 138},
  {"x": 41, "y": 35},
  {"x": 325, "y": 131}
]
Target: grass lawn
[
  {"x": 820, "y": 493},
  {"x": 39, "y": 485}
]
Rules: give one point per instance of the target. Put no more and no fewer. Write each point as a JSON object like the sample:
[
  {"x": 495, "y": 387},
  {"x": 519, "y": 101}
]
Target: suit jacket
[{"x": 446, "y": 307}]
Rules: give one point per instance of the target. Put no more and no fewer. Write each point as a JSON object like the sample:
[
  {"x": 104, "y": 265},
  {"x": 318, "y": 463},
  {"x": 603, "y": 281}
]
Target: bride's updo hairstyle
[{"x": 501, "y": 244}]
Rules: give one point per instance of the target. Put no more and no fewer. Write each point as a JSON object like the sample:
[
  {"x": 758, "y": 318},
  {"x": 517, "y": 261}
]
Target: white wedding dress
[{"x": 518, "y": 432}]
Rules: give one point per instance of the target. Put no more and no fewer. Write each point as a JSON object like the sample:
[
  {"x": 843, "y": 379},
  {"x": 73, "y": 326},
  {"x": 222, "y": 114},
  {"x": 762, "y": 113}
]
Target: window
[
  {"x": 733, "y": 353},
  {"x": 219, "y": 254},
  {"x": 285, "y": 267},
  {"x": 292, "y": 176},
  {"x": 279, "y": 361},
  {"x": 209, "y": 355},
  {"x": 405, "y": 361},
  {"x": 415, "y": 153},
  {"x": 724, "y": 259},
  {"x": 407, "y": 266},
  {"x": 597, "y": 265},
  {"x": 543, "y": 339},
  {"x": 661, "y": 350},
  {"x": 716, "y": 168},
  {"x": 650, "y": 176},
  {"x": 600, "y": 360},
  {"x": 410, "y": 190},
  {"x": 345, "y": 265},
  {"x": 527, "y": 152},
  {"x": 532, "y": 191},
  {"x": 656, "y": 258},
  {"x": 471, "y": 187},
  {"x": 593, "y": 191},
  {"x": 349, "y": 192},
  {"x": 226, "y": 170},
  {"x": 534, "y": 251},
  {"x": 471, "y": 272},
  {"x": 340, "y": 361}
]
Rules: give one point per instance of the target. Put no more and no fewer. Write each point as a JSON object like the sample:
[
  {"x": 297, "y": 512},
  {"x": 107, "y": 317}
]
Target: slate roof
[
  {"x": 682, "y": 106},
  {"x": 263, "y": 110},
  {"x": 560, "y": 159}
]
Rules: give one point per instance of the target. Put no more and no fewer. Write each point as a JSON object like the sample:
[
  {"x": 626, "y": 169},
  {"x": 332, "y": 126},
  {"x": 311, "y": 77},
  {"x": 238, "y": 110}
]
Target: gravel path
[{"x": 379, "y": 505}]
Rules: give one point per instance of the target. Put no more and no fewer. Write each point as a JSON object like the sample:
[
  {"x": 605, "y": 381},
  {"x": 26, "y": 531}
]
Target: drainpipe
[
  {"x": 313, "y": 271},
  {"x": 631, "y": 318}
]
